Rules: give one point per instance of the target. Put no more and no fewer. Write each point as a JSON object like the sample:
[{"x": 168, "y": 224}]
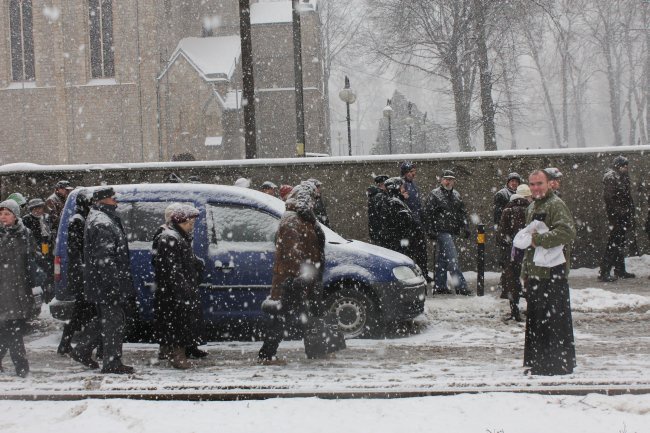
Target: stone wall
[{"x": 345, "y": 180}]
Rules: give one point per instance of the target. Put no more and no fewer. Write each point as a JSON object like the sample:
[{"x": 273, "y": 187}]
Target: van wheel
[{"x": 355, "y": 313}]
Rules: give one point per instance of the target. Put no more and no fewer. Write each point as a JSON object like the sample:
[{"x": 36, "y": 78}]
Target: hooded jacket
[{"x": 299, "y": 250}]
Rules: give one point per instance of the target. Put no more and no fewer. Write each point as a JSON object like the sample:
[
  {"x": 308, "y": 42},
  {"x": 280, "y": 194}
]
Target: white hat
[
  {"x": 523, "y": 190},
  {"x": 243, "y": 182}
]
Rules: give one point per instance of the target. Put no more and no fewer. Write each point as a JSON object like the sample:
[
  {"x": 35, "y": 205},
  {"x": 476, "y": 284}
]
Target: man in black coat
[
  {"x": 401, "y": 232},
  {"x": 83, "y": 311},
  {"x": 502, "y": 197},
  {"x": 446, "y": 217},
  {"x": 108, "y": 283},
  {"x": 376, "y": 200},
  {"x": 408, "y": 171},
  {"x": 620, "y": 216},
  {"x": 177, "y": 302}
]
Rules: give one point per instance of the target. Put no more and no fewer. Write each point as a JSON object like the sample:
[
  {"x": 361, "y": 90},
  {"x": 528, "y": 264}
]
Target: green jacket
[{"x": 557, "y": 216}]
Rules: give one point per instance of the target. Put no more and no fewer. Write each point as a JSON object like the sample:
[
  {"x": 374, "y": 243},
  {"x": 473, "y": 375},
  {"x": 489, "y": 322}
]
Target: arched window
[
  {"x": 100, "y": 24},
  {"x": 22, "y": 40}
]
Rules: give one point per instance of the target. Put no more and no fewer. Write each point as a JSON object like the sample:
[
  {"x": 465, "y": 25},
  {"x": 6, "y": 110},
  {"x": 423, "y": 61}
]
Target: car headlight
[{"x": 404, "y": 273}]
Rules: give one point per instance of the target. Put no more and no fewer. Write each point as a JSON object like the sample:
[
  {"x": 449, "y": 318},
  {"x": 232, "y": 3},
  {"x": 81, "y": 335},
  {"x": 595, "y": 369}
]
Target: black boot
[
  {"x": 195, "y": 352},
  {"x": 514, "y": 311},
  {"x": 64, "y": 346}
]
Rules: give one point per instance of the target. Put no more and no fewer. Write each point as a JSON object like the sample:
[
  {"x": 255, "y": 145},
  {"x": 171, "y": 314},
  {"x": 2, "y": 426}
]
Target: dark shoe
[
  {"x": 64, "y": 348},
  {"x": 22, "y": 371},
  {"x": 178, "y": 359},
  {"x": 626, "y": 275},
  {"x": 272, "y": 361},
  {"x": 606, "y": 278},
  {"x": 441, "y": 291},
  {"x": 84, "y": 359},
  {"x": 195, "y": 352},
  {"x": 464, "y": 292},
  {"x": 118, "y": 369},
  {"x": 164, "y": 352}
]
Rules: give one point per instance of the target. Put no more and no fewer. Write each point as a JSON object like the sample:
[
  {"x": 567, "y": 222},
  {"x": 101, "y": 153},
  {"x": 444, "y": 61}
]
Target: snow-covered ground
[{"x": 460, "y": 344}]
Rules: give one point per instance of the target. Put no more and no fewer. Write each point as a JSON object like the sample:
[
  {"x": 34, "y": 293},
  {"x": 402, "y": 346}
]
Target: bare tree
[
  {"x": 532, "y": 33},
  {"x": 339, "y": 26},
  {"x": 433, "y": 36}
]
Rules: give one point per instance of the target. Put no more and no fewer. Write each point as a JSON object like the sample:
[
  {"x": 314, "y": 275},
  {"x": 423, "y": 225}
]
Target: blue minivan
[{"x": 366, "y": 286}]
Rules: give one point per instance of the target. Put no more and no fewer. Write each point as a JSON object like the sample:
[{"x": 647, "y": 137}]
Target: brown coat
[
  {"x": 512, "y": 220},
  {"x": 299, "y": 250}
]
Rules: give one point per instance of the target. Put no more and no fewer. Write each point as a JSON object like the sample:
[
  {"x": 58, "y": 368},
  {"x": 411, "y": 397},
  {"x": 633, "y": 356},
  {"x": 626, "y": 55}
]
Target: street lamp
[
  {"x": 348, "y": 96},
  {"x": 409, "y": 122},
  {"x": 388, "y": 113}
]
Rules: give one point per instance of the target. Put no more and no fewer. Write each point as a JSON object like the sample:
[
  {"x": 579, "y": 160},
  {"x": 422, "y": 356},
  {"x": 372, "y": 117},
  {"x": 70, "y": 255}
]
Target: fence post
[{"x": 480, "y": 260}]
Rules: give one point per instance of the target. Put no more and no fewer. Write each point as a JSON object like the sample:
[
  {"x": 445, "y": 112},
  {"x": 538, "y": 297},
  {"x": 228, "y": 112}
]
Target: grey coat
[
  {"x": 107, "y": 271},
  {"x": 18, "y": 272}
]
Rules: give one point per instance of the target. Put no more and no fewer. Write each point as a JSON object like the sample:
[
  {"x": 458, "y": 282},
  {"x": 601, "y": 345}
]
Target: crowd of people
[{"x": 534, "y": 227}]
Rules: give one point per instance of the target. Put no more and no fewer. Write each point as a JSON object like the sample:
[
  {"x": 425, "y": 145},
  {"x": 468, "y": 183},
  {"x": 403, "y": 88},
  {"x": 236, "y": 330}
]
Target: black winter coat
[
  {"x": 18, "y": 272},
  {"x": 401, "y": 231},
  {"x": 377, "y": 199},
  {"x": 177, "y": 302},
  {"x": 445, "y": 213},
  {"x": 501, "y": 200},
  {"x": 75, "y": 249},
  {"x": 618, "y": 198},
  {"x": 107, "y": 270}
]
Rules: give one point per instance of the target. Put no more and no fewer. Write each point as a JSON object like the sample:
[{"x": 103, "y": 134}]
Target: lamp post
[
  {"x": 348, "y": 96},
  {"x": 388, "y": 113},
  {"x": 409, "y": 122}
]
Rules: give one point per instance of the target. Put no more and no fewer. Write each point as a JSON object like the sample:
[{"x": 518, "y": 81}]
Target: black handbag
[{"x": 322, "y": 338}]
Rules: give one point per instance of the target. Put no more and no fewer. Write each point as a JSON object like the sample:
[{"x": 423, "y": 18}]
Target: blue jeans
[{"x": 447, "y": 261}]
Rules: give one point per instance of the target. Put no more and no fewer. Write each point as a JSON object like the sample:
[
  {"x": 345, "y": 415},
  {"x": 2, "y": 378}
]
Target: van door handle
[
  {"x": 152, "y": 285},
  {"x": 225, "y": 268}
]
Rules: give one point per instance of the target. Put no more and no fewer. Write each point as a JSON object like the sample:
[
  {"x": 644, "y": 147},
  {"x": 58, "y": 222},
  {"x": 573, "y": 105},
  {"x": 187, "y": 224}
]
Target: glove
[{"x": 36, "y": 291}]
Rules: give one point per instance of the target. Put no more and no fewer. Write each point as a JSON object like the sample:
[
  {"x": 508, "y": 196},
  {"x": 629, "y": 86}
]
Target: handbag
[{"x": 322, "y": 338}]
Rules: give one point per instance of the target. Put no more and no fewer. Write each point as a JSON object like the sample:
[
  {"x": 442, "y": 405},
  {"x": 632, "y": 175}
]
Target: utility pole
[
  {"x": 248, "y": 91},
  {"x": 297, "y": 71}
]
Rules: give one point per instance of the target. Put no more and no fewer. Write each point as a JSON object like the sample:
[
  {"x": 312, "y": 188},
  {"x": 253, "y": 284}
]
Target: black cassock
[{"x": 549, "y": 348}]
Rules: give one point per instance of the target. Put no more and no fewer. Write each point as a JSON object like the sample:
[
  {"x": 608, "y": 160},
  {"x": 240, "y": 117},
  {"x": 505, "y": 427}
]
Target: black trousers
[
  {"x": 11, "y": 340},
  {"x": 615, "y": 251},
  {"x": 82, "y": 314},
  {"x": 107, "y": 329}
]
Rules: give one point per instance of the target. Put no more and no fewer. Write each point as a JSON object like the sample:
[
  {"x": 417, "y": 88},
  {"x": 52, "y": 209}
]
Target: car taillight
[{"x": 57, "y": 268}]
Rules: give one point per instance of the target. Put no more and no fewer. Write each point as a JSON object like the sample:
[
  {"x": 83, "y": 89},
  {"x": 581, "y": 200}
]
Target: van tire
[{"x": 356, "y": 314}]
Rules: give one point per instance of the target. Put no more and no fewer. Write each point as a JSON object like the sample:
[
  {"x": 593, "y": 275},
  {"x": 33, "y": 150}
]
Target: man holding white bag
[{"x": 549, "y": 348}]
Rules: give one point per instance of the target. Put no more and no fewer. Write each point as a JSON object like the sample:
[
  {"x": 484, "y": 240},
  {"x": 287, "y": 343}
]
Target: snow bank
[
  {"x": 595, "y": 300},
  {"x": 490, "y": 412}
]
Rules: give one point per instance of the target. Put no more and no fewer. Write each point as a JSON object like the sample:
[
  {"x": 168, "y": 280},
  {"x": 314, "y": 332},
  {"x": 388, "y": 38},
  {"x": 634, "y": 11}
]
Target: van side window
[
  {"x": 232, "y": 227},
  {"x": 141, "y": 220}
]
